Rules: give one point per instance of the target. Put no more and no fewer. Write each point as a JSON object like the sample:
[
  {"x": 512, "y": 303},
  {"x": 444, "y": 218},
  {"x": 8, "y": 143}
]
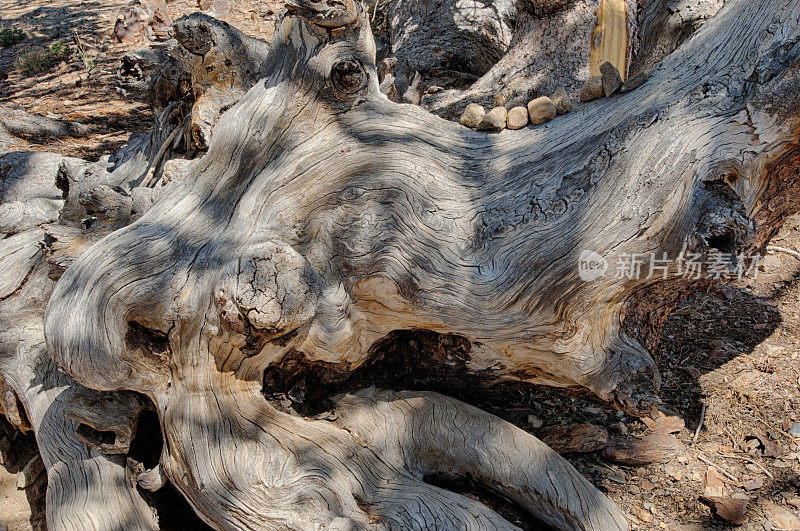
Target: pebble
[
  {"x": 782, "y": 517},
  {"x": 715, "y": 483},
  {"x": 795, "y": 430},
  {"x": 494, "y": 120},
  {"x": 517, "y": 118},
  {"x": 534, "y": 422},
  {"x": 561, "y": 101},
  {"x": 612, "y": 81},
  {"x": 473, "y": 115},
  {"x": 634, "y": 82},
  {"x": 593, "y": 89},
  {"x": 541, "y": 110},
  {"x": 642, "y": 514},
  {"x": 753, "y": 484}
]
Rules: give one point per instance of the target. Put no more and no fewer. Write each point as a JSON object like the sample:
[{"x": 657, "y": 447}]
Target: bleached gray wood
[
  {"x": 324, "y": 217},
  {"x": 85, "y": 489}
]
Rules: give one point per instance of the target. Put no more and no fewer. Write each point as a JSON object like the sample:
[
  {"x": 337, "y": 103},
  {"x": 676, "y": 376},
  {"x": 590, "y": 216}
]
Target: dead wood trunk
[{"x": 324, "y": 218}]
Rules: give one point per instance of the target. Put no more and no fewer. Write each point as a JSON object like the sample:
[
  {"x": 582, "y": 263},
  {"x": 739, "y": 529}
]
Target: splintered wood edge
[{"x": 610, "y": 38}]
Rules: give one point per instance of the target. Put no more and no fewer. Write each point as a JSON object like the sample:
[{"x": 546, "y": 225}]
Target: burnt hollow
[
  {"x": 96, "y": 437},
  {"x": 724, "y": 243}
]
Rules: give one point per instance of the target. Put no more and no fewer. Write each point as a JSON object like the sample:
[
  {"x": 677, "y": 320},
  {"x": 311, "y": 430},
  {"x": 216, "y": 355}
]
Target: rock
[
  {"x": 647, "y": 486},
  {"x": 753, "y": 484},
  {"x": 657, "y": 448},
  {"x": 541, "y": 110},
  {"x": 730, "y": 510},
  {"x": 561, "y": 101},
  {"x": 593, "y": 89},
  {"x": 664, "y": 422},
  {"x": 534, "y": 422},
  {"x": 517, "y": 118},
  {"x": 760, "y": 443},
  {"x": 642, "y": 514},
  {"x": 781, "y": 517},
  {"x": 612, "y": 81},
  {"x": 795, "y": 430},
  {"x": 715, "y": 483},
  {"x": 794, "y": 501},
  {"x": 634, "y": 82},
  {"x": 578, "y": 438},
  {"x": 620, "y": 428},
  {"x": 494, "y": 120},
  {"x": 674, "y": 472}
]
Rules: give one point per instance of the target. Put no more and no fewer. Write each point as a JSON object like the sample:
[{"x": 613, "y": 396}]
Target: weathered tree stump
[{"x": 323, "y": 219}]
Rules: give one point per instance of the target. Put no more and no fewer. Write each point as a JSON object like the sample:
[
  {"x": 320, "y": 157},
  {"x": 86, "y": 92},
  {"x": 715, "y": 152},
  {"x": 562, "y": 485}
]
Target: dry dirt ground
[{"x": 734, "y": 348}]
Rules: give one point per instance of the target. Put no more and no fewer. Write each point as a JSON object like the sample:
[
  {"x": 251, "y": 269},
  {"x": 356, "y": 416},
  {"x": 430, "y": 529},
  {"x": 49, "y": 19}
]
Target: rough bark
[{"x": 324, "y": 219}]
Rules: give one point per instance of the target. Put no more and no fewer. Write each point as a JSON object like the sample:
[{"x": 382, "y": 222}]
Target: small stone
[
  {"x": 561, "y": 101},
  {"x": 473, "y": 115},
  {"x": 494, "y": 120},
  {"x": 715, "y": 484},
  {"x": 541, "y": 110},
  {"x": 642, "y": 514},
  {"x": 635, "y": 82},
  {"x": 580, "y": 438},
  {"x": 534, "y": 422},
  {"x": 730, "y": 510},
  {"x": 753, "y": 484},
  {"x": 616, "y": 475},
  {"x": 517, "y": 118},
  {"x": 593, "y": 89},
  {"x": 674, "y": 472},
  {"x": 612, "y": 81},
  {"x": 665, "y": 422},
  {"x": 620, "y": 428},
  {"x": 795, "y": 430},
  {"x": 781, "y": 517},
  {"x": 647, "y": 486}
]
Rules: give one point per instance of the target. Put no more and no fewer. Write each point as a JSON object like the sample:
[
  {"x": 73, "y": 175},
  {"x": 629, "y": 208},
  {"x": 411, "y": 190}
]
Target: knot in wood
[
  {"x": 349, "y": 76},
  {"x": 330, "y": 14},
  {"x": 275, "y": 288}
]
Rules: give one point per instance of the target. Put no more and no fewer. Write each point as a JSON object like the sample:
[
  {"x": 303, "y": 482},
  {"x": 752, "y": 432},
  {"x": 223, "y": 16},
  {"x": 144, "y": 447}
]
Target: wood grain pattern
[
  {"x": 610, "y": 38},
  {"x": 324, "y": 217}
]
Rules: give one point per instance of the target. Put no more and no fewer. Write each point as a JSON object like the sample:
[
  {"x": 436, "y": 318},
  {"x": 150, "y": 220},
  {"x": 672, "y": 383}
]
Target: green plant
[
  {"x": 11, "y": 36},
  {"x": 86, "y": 59},
  {"x": 60, "y": 51},
  {"x": 41, "y": 59}
]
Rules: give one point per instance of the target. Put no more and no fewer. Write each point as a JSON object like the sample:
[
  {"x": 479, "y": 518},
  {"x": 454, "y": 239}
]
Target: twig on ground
[
  {"x": 722, "y": 470},
  {"x": 777, "y": 249},
  {"x": 700, "y": 423},
  {"x": 749, "y": 460}
]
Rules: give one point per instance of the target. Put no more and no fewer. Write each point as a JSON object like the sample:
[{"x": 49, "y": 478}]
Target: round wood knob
[{"x": 349, "y": 76}]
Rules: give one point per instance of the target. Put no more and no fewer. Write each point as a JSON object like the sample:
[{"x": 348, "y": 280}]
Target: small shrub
[
  {"x": 11, "y": 36},
  {"x": 41, "y": 59}
]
